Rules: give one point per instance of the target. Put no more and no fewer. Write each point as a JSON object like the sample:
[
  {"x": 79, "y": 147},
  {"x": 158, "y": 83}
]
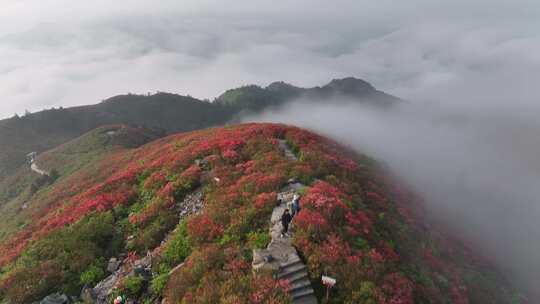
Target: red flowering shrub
[
  {"x": 334, "y": 250},
  {"x": 268, "y": 183},
  {"x": 264, "y": 200},
  {"x": 155, "y": 181},
  {"x": 230, "y": 155},
  {"x": 397, "y": 289},
  {"x": 191, "y": 174},
  {"x": 375, "y": 197},
  {"x": 313, "y": 223},
  {"x": 358, "y": 222},
  {"x": 203, "y": 229},
  {"x": 266, "y": 290}
]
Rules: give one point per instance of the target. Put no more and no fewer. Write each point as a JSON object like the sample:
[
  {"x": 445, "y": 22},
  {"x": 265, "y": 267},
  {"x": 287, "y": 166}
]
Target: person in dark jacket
[{"x": 285, "y": 221}]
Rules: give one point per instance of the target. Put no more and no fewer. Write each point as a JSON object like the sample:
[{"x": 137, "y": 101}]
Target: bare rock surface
[
  {"x": 113, "y": 264},
  {"x": 191, "y": 204},
  {"x": 101, "y": 293},
  {"x": 56, "y": 299}
]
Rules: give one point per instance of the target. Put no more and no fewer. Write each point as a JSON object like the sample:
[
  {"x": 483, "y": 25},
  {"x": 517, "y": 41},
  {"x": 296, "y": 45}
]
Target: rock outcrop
[
  {"x": 56, "y": 298},
  {"x": 113, "y": 265},
  {"x": 191, "y": 204}
]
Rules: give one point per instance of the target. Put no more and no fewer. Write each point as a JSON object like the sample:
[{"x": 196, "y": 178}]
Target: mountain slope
[
  {"x": 47, "y": 129},
  {"x": 187, "y": 213},
  {"x": 28, "y": 189},
  {"x": 174, "y": 113}
]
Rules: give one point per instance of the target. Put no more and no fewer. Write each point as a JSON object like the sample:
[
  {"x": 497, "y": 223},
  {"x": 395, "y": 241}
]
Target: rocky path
[
  {"x": 280, "y": 256},
  {"x": 285, "y": 148},
  {"x": 291, "y": 267}
]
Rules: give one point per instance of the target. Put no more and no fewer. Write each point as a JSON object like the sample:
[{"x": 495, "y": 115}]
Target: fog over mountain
[{"x": 476, "y": 167}]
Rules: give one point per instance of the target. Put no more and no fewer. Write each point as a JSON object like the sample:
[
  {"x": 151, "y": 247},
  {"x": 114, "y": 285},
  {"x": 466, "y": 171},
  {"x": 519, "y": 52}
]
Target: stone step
[
  {"x": 298, "y": 285},
  {"x": 303, "y": 292},
  {"x": 291, "y": 262},
  {"x": 297, "y": 277},
  {"x": 288, "y": 271}
]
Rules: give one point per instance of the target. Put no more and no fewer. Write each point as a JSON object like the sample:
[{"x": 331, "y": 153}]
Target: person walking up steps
[
  {"x": 289, "y": 206},
  {"x": 295, "y": 205},
  {"x": 285, "y": 221}
]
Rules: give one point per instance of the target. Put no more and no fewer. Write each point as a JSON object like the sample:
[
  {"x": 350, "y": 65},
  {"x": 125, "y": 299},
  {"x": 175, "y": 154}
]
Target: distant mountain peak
[
  {"x": 281, "y": 85},
  {"x": 256, "y": 98},
  {"x": 349, "y": 85}
]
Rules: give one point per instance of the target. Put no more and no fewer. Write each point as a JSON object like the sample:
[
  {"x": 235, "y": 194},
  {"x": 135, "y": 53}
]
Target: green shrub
[
  {"x": 132, "y": 286},
  {"x": 65, "y": 259},
  {"x": 360, "y": 243},
  {"x": 517, "y": 299},
  {"x": 259, "y": 240},
  {"x": 228, "y": 238},
  {"x": 178, "y": 248},
  {"x": 92, "y": 275},
  {"x": 158, "y": 283},
  {"x": 364, "y": 294},
  {"x": 151, "y": 236}
]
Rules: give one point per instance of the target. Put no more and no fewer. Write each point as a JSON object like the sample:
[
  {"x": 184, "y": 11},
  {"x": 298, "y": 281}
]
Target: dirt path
[{"x": 36, "y": 169}]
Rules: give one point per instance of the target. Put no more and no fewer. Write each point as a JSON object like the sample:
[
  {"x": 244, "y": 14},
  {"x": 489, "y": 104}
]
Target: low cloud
[{"x": 477, "y": 168}]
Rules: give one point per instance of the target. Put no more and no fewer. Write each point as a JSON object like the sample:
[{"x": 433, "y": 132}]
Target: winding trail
[
  {"x": 280, "y": 256},
  {"x": 288, "y": 152},
  {"x": 36, "y": 169}
]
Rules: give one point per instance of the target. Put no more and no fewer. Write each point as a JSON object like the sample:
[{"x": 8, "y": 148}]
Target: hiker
[
  {"x": 119, "y": 300},
  {"x": 295, "y": 205},
  {"x": 289, "y": 205},
  {"x": 285, "y": 221}
]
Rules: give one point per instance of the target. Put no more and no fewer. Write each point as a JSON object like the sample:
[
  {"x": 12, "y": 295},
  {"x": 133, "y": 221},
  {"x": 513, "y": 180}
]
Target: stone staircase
[
  {"x": 282, "y": 258},
  {"x": 295, "y": 272}
]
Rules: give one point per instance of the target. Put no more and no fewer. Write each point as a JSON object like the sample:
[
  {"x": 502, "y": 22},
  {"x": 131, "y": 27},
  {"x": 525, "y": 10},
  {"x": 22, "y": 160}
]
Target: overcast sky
[{"x": 62, "y": 53}]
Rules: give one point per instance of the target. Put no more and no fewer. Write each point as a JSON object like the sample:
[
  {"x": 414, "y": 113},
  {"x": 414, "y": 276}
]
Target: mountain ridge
[{"x": 41, "y": 131}]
